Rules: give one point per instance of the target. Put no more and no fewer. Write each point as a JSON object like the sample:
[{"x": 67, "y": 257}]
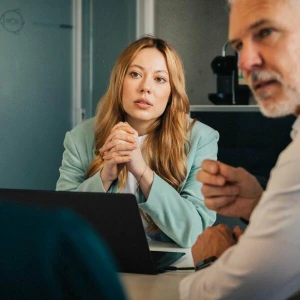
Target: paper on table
[{"x": 184, "y": 261}]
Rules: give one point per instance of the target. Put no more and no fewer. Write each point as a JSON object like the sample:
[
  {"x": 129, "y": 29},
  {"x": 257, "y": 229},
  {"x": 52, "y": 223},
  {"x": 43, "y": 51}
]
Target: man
[
  {"x": 264, "y": 264},
  {"x": 53, "y": 255}
]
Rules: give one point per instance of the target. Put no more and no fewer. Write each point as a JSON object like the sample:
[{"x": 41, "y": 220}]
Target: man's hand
[
  {"x": 229, "y": 191},
  {"x": 214, "y": 241}
]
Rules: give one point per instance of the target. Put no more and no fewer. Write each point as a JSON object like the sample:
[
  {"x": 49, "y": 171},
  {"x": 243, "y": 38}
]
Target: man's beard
[
  {"x": 279, "y": 109},
  {"x": 282, "y": 105}
]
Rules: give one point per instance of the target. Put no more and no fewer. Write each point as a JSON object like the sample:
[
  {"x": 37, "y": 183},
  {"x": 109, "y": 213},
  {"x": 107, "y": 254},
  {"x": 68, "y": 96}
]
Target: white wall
[{"x": 197, "y": 29}]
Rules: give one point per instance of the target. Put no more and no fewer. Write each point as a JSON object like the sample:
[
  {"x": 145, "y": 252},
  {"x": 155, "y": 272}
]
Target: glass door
[{"x": 35, "y": 90}]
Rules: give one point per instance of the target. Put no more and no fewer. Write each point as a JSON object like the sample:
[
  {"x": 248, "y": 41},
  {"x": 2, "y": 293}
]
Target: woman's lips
[{"x": 143, "y": 104}]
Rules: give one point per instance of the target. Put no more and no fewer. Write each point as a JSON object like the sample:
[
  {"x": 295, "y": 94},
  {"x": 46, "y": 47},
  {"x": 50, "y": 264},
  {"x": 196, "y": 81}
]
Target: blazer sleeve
[
  {"x": 76, "y": 159},
  {"x": 182, "y": 216}
]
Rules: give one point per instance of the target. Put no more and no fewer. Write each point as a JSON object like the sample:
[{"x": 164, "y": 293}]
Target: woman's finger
[
  {"x": 110, "y": 155},
  {"x": 118, "y": 144}
]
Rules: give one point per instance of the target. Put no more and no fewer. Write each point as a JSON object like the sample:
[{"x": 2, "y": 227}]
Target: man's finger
[
  {"x": 210, "y": 166},
  {"x": 232, "y": 174},
  {"x": 219, "y": 203},
  {"x": 211, "y": 179},
  {"x": 210, "y": 191},
  {"x": 237, "y": 231}
]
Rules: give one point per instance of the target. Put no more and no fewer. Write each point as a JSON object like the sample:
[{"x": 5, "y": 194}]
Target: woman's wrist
[
  {"x": 146, "y": 181},
  {"x": 139, "y": 180},
  {"x": 105, "y": 182}
]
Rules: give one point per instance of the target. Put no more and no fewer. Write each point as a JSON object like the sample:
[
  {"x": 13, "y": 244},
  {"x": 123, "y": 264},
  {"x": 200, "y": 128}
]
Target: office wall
[
  {"x": 35, "y": 90},
  {"x": 114, "y": 27},
  {"x": 197, "y": 29},
  {"x": 36, "y": 79}
]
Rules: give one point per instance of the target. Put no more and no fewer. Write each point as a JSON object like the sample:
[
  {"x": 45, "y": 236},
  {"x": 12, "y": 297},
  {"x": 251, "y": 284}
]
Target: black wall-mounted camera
[
  {"x": 228, "y": 89},
  {"x": 225, "y": 67}
]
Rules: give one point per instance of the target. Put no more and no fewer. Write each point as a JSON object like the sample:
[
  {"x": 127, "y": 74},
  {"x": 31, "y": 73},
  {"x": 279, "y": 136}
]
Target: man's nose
[{"x": 249, "y": 57}]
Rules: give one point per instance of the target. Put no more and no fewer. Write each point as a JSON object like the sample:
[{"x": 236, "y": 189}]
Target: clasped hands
[
  {"x": 231, "y": 192},
  {"x": 121, "y": 148}
]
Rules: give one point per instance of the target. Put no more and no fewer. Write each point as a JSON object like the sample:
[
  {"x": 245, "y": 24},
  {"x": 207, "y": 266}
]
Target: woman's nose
[{"x": 146, "y": 86}]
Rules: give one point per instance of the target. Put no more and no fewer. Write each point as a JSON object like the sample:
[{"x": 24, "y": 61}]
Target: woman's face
[{"x": 146, "y": 89}]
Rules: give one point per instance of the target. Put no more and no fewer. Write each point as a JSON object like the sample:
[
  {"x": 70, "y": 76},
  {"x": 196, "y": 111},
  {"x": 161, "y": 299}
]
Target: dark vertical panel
[{"x": 114, "y": 27}]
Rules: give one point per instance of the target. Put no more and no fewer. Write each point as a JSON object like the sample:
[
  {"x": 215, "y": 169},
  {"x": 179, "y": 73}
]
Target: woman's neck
[{"x": 141, "y": 127}]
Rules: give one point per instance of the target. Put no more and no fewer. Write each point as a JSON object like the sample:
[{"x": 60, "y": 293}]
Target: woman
[{"x": 143, "y": 141}]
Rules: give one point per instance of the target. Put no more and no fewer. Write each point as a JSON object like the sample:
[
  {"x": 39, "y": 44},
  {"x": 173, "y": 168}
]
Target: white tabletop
[
  {"x": 153, "y": 287},
  {"x": 163, "y": 286}
]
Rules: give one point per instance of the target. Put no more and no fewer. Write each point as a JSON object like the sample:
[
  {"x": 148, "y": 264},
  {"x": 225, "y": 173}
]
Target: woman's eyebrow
[
  {"x": 156, "y": 71},
  {"x": 137, "y": 66}
]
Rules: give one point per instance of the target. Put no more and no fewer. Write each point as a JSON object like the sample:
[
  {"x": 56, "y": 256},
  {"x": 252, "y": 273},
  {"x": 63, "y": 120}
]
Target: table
[
  {"x": 153, "y": 287},
  {"x": 163, "y": 286}
]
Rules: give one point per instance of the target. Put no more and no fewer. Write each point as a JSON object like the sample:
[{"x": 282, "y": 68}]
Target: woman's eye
[
  {"x": 135, "y": 75},
  {"x": 161, "y": 80}
]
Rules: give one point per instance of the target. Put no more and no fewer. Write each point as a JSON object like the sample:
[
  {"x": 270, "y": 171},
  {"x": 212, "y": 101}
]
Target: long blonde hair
[{"x": 166, "y": 146}]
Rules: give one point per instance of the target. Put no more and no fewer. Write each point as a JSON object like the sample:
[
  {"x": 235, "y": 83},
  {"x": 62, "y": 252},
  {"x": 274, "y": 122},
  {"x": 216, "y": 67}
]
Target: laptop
[{"x": 115, "y": 217}]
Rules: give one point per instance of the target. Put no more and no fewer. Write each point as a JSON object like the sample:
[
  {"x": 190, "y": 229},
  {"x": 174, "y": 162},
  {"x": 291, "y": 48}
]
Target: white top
[
  {"x": 130, "y": 186},
  {"x": 265, "y": 263}
]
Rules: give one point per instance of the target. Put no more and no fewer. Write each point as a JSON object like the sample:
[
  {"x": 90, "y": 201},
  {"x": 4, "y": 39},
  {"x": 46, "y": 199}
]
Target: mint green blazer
[{"x": 180, "y": 216}]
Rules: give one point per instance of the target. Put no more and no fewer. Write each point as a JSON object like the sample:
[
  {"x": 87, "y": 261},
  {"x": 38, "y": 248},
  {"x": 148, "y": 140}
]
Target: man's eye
[
  {"x": 135, "y": 75},
  {"x": 238, "y": 47},
  {"x": 264, "y": 32}
]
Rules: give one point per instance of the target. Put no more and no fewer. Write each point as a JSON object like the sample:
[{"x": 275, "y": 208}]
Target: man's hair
[{"x": 230, "y": 3}]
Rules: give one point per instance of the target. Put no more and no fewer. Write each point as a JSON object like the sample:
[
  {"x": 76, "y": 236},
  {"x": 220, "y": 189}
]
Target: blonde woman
[{"x": 142, "y": 141}]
